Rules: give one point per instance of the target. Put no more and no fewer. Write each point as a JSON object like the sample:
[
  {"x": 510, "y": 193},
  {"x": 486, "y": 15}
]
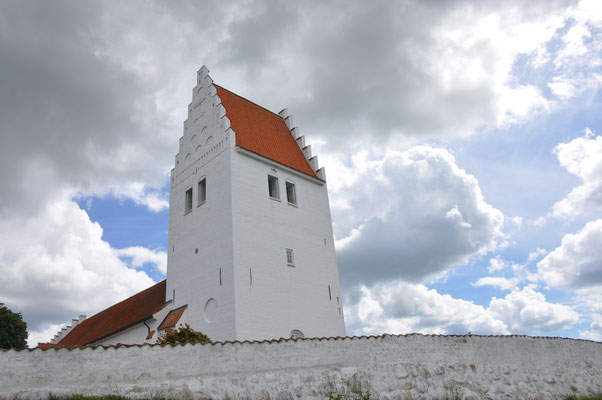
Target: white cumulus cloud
[
  {"x": 496, "y": 264},
  {"x": 591, "y": 300},
  {"x": 55, "y": 266},
  {"x": 527, "y": 311},
  {"x": 410, "y": 215},
  {"x": 577, "y": 262},
  {"x": 406, "y": 307},
  {"x": 563, "y": 87},
  {"x": 497, "y": 281},
  {"x": 138, "y": 256},
  {"x": 581, "y": 157}
]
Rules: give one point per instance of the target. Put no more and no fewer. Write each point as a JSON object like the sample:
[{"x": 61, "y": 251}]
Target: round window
[
  {"x": 297, "y": 334},
  {"x": 210, "y": 310}
]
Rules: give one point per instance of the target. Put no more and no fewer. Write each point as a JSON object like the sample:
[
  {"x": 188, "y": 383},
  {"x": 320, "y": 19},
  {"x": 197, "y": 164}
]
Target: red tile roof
[
  {"x": 262, "y": 132},
  {"x": 172, "y": 318},
  {"x": 128, "y": 312}
]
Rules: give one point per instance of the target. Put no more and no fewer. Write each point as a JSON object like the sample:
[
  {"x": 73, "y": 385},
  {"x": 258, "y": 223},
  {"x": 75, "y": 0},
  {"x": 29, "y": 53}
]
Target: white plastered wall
[
  {"x": 388, "y": 367},
  {"x": 132, "y": 335},
  {"x": 282, "y": 298},
  {"x": 200, "y": 241}
]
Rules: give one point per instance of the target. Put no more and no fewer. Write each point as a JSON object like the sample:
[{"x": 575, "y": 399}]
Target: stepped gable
[
  {"x": 263, "y": 132},
  {"x": 119, "y": 316}
]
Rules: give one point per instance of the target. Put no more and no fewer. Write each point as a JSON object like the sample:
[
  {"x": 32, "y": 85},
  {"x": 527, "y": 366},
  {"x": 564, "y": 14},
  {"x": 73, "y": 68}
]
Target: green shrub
[
  {"x": 351, "y": 396},
  {"x": 13, "y": 330},
  {"x": 185, "y": 334}
]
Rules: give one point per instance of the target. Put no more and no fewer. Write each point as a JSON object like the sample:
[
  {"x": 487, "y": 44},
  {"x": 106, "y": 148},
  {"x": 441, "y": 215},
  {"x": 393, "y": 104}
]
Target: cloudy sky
[{"x": 462, "y": 142}]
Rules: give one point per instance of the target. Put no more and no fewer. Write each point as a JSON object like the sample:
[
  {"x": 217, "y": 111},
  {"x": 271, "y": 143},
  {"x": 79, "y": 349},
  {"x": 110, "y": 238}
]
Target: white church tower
[
  {"x": 250, "y": 251},
  {"x": 250, "y": 246}
]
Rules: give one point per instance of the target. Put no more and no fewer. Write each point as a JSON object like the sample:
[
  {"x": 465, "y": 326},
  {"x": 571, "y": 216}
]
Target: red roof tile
[
  {"x": 172, "y": 318},
  {"x": 128, "y": 312},
  {"x": 262, "y": 132}
]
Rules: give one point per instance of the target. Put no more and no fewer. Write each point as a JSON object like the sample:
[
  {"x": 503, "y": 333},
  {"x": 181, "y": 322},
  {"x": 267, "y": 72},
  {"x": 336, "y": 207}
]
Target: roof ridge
[{"x": 250, "y": 101}]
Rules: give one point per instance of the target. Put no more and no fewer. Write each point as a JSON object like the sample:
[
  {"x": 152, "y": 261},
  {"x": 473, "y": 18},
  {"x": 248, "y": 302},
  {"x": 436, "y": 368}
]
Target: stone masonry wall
[{"x": 388, "y": 367}]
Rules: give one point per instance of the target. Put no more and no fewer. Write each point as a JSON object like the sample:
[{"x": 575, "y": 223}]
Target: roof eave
[
  {"x": 266, "y": 160},
  {"x": 125, "y": 328}
]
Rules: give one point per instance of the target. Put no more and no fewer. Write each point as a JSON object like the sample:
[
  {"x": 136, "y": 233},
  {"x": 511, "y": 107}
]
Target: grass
[{"x": 354, "y": 396}]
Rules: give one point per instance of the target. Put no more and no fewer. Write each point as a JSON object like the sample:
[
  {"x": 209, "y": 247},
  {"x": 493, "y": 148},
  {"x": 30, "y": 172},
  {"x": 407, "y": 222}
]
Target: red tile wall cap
[
  {"x": 128, "y": 312},
  {"x": 46, "y": 346},
  {"x": 263, "y": 132}
]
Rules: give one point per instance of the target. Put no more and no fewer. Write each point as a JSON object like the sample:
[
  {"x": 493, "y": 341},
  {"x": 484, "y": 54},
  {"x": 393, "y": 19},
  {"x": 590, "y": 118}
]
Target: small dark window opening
[
  {"x": 202, "y": 192},
  {"x": 173, "y": 297},
  {"x": 188, "y": 201},
  {"x": 291, "y": 196},
  {"x": 329, "y": 294},
  {"x": 273, "y": 187},
  {"x": 250, "y": 277},
  {"x": 290, "y": 258},
  {"x": 220, "y": 277}
]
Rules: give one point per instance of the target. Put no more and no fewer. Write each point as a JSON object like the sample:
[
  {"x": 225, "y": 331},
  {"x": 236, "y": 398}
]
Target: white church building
[{"x": 250, "y": 246}]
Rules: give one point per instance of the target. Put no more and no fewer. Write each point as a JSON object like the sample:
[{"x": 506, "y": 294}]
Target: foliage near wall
[
  {"x": 13, "y": 330},
  {"x": 184, "y": 334}
]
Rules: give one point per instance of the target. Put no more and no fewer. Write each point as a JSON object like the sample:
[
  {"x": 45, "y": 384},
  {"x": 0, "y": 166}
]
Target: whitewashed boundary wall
[{"x": 389, "y": 367}]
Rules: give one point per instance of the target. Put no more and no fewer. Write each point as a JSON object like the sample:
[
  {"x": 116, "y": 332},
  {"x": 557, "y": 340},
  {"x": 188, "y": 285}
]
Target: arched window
[{"x": 297, "y": 334}]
